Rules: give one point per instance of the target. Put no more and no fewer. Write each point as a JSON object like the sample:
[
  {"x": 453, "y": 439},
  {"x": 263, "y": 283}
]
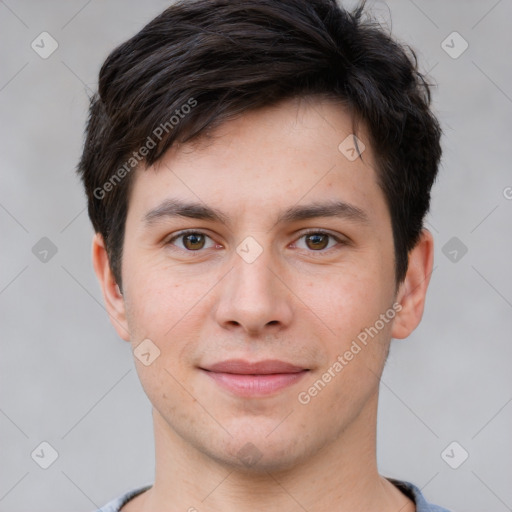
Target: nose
[{"x": 253, "y": 298}]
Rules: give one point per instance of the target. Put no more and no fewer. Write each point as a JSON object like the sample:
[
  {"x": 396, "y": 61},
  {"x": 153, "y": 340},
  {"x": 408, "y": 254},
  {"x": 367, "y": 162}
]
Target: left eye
[{"x": 318, "y": 240}]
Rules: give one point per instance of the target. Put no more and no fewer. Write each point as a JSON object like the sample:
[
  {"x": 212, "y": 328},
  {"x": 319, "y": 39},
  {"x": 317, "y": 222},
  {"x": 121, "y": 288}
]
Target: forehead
[{"x": 297, "y": 151}]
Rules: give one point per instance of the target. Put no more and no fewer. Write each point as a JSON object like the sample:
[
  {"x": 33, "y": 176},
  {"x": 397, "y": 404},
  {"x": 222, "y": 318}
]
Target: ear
[
  {"x": 114, "y": 301},
  {"x": 412, "y": 291}
]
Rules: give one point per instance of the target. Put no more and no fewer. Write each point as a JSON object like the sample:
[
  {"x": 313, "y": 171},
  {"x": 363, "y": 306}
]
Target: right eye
[{"x": 191, "y": 241}]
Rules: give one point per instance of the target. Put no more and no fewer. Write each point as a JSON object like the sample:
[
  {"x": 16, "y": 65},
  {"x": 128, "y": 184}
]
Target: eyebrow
[
  {"x": 177, "y": 208},
  {"x": 329, "y": 209}
]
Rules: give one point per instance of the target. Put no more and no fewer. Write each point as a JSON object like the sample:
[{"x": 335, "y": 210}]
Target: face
[{"x": 264, "y": 244}]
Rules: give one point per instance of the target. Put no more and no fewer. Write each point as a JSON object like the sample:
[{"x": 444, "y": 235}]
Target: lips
[
  {"x": 241, "y": 367},
  {"x": 260, "y": 378}
]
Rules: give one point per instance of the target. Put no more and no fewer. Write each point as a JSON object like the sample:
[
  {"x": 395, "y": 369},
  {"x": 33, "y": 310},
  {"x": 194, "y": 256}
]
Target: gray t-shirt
[{"x": 407, "y": 488}]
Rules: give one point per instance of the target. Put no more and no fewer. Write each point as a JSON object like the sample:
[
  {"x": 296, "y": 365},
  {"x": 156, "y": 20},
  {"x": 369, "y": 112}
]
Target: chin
[{"x": 254, "y": 454}]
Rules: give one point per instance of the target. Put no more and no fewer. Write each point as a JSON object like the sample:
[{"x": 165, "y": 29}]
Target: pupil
[
  {"x": 316, "y": 238},
  {"x": 195, "y": 240}
]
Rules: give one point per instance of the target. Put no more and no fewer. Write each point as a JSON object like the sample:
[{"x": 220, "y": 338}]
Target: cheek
[
  {"x": 162, "y": 307},
  {"x": 356, "y": 345},
  {"x": 169, "y": 307},
  {"x": 347, "y": 301},
  {"x": 350, "y": 305},
  {"x": 159, "y": 297}
]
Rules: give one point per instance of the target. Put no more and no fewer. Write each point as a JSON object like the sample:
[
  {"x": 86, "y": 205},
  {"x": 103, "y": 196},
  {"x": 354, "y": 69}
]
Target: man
[{"x": 258, "y": 173}]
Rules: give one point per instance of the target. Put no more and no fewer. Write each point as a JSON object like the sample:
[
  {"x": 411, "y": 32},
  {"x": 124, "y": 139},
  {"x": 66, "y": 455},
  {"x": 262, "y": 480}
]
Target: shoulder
[
  {"x": 416, "y": 495},
  {"x": 116, "y": 504},
  {"x": 406, "y": 487}
]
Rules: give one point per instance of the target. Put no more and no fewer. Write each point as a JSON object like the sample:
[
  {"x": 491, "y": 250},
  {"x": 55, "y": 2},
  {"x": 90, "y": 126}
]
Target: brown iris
[
  {"x": 319, "y": 240},
  {"x": 193, "y": 241}
]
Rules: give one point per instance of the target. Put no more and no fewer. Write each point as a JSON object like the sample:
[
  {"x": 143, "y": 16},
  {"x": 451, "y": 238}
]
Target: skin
[{"x": 297, "y": 302}]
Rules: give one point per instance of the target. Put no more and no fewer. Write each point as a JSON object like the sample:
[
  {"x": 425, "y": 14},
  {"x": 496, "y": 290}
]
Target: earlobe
[
  {"x": 112, "y": 295},
  {"x": 412, "y": 292}
]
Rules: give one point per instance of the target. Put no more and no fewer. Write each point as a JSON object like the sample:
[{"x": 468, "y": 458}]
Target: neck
[{"x": 342, "y": 476}]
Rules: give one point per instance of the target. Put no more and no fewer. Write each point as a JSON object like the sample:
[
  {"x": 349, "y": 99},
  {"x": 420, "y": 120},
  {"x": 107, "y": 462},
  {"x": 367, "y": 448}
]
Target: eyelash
[{"x": 306, "y": 233}]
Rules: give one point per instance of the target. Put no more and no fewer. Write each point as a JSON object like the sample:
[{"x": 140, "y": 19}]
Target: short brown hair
[{"x": 211, "y": 60}]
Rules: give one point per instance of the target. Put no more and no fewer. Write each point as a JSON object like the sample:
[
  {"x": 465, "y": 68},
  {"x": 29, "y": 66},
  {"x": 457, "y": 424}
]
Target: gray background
[{"x": 68, "y": 380}]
